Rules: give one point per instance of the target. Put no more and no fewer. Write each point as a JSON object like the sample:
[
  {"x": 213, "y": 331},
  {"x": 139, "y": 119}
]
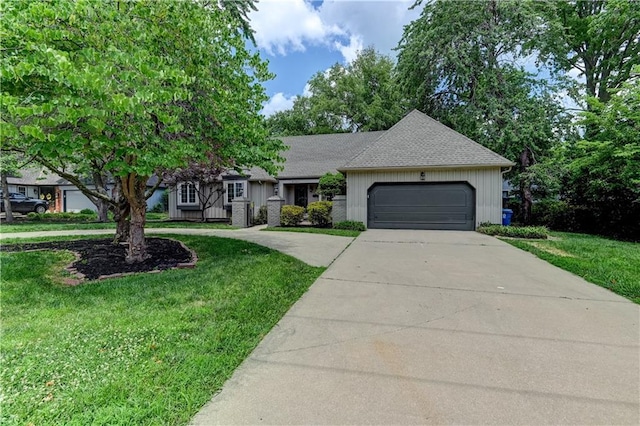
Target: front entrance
[{"x": 301, "y": 195}]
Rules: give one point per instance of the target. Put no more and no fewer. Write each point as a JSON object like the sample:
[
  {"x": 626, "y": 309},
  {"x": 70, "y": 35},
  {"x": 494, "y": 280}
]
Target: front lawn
[
  {"x": 608, "y": 263},
  {"x": 309, "y": 230},
  {"x": 33, "y": 226},
  {"x": 143, "y": 349}
]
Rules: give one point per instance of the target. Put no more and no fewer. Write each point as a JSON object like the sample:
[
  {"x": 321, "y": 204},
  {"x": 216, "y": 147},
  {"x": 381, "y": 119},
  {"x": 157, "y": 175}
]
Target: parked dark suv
[{"x": 22, "y": 204}]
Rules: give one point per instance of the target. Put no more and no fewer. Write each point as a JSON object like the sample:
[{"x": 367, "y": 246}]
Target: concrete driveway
[{"x": 437, "y": 327}]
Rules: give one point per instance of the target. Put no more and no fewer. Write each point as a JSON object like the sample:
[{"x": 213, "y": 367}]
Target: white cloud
[
  {"x": 377, "y": 23},
  {"x": 278, "y": 102},
  {"x": 289, "y": 25},
  {"x": 350, "y": 51},
  {"x": 283, "y": 26}
]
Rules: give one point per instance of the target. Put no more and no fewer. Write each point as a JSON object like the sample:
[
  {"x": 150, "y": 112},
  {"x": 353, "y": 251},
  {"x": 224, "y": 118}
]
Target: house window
[
  {"x": 187, "y": 194},
  {"x": 22, "y": 190},
  {"x": 235, "y": 190}
]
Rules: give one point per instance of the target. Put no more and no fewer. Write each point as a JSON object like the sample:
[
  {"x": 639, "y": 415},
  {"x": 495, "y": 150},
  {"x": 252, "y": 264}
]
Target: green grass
[
  {"x": 608, "y": 263},
  {"x": 7, "y": 228},
  {"x": 143, "y": 349},
  {"x": 326, "y": 231}
]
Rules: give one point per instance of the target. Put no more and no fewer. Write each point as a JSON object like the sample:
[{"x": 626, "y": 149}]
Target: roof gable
[{"x": 420, "y": 141}]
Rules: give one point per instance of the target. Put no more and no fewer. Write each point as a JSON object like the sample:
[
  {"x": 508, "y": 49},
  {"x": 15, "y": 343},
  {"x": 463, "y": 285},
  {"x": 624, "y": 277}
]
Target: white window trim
[
  {"x": 179, "y": 193},
  {"x": 234, "y": 182}
]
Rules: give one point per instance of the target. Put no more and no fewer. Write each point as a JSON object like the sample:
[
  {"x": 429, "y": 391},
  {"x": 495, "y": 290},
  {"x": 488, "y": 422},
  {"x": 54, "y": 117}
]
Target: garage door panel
[
  {"x": 448, "y": 205},
  {"x": 412, "y": 197}
]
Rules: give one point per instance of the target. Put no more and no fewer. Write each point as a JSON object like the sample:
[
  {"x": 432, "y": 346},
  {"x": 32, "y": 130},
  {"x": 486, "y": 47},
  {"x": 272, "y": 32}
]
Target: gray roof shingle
[
  {"x": 420, "y": 141},
  {"x": 314, "y": 155}
]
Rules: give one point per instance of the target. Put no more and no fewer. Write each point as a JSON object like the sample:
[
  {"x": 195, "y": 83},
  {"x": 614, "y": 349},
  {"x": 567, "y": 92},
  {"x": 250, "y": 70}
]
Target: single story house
[
  {"x": 63, "y": 196},
  {"x": 419, "y": 174}
]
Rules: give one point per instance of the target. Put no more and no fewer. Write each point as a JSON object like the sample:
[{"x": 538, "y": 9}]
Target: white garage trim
[{"x": 486, "y": 181}]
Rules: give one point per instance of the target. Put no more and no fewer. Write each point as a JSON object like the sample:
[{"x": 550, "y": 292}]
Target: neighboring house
[
  {"x": 62, "y": 195},
  {"x": 419, "y": 174}
]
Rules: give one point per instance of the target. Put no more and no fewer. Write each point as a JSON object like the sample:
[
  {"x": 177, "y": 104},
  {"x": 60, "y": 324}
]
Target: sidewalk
[{"x": 312, "y": 249}]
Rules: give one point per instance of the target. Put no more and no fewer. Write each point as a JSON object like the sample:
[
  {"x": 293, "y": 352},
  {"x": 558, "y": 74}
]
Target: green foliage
[
  {"x": 103, "y": 350},
  {"x": 597, "y": 38},
  {"x": 350, "y": 225},
  {"x": 261, "y": 217},
  {"x": 604, "y": 170},
  {"x": 291, "y": 215},
  {"x": 331, "y": 185},
  {"x": 530, "y": 232},
  {"x": 320, "y": 213},
  {"x": 361, "y": 96},
  {"x": 127, "y": 86},
  {"x": 86, "y": 215}
]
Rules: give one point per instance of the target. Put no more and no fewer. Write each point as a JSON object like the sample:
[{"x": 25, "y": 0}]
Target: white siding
[
  {"x": 486, "y": 181},
  {"x": 216, "y": 211}
]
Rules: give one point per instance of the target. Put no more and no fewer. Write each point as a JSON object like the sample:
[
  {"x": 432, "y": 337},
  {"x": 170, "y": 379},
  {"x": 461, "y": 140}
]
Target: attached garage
[
  {"x": 428, "y": 205},
  {"x": 420, "y": 174}
]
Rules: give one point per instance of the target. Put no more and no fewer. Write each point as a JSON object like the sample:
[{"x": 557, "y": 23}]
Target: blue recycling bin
[{"x": 506, "y": 216}]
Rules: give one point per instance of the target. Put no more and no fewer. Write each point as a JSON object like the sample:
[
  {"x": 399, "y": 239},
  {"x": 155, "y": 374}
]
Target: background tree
[
  {"x": 130, "y": 79},
  {"x": 600, "y": 39},
  {"x": 357, "y": 97},
  {"x": 457, "y": 63},
  {"x": 604, "y": 171},
  {"x": 204, "y": 176}
]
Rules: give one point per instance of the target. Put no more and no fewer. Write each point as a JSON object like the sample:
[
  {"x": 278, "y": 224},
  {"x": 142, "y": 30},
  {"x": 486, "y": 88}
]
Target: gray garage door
[{"x": 449, "y": 205}]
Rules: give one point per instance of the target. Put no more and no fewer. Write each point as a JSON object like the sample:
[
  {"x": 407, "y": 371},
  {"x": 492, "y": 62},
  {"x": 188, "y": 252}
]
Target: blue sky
[{"x": 300, "y": 38}]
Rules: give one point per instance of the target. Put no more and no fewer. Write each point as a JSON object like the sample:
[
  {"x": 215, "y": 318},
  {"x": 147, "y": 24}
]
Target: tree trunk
[
  {"x": 134, "y": 188},
  {"x": 103, "y": 210},
  {"x": 526, "y": 160},
  {"x": 7, "y": 203},
  {"x": 120, "y": 214},
  {"x": 99, "y": 181}
]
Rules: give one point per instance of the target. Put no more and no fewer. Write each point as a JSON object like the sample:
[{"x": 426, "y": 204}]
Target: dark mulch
[{"x": 102, "y": 257}]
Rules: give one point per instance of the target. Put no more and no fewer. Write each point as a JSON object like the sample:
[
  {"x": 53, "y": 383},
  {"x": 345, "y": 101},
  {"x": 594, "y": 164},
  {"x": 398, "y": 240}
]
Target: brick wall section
[
  {"x": 339, "y": 209},
  {"x": 239, "y": 212},
  {"x": 274, "y": 204}
]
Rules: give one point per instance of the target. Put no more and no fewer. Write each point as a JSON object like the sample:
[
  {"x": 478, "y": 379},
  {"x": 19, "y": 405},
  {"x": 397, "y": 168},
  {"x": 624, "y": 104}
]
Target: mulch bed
[{"x": 101, "y": 258}]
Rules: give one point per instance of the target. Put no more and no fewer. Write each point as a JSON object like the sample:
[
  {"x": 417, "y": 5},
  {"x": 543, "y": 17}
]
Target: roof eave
[{"x": 443, "y": 166}]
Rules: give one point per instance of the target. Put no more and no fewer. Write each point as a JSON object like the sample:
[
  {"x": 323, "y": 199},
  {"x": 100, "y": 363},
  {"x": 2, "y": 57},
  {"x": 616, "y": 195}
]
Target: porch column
[
  {"x": 274, "y": 204},
  {"x": 339, "y": 209}
]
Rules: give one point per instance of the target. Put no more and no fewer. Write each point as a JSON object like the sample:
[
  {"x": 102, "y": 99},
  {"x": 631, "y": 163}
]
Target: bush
[
  {"x": 261, "y": 217},
  {"x": 533, "y": 232},
  {"x": 320, "y": 213},
  {"x": 87, "y": 211},
  {"x": 351, "y": 225},
  {"x": 291, "y": 215},
  {"x": 62, "y": 217},
  {"x": 331, "y": 185}
]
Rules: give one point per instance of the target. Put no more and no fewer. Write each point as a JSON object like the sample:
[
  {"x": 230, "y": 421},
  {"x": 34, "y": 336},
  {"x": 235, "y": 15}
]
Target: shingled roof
[
  {"x": 420, "y": 141},
  {"x": 314, "y": 155}
]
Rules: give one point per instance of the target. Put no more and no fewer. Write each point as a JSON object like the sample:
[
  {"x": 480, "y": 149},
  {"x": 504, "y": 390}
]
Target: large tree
[
  {"x": 458, "y": 63},
  {"x": 357, "y": 97},
  {"x": 598, "y": 38},
  {"x": 146, "y": 84}
]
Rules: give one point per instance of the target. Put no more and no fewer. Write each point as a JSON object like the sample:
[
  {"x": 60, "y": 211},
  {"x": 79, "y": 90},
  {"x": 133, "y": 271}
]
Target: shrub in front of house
[
  {"x": 320, "y": 213},
  {"x": 350, "y": 225},
  {"x": 331, "y": 185},
  {"x": 261, "y": 217},
  {"x": 62, "y": 217},
  {"x": 529, "y": 232},
  {"x": 291, "y": 215}
]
